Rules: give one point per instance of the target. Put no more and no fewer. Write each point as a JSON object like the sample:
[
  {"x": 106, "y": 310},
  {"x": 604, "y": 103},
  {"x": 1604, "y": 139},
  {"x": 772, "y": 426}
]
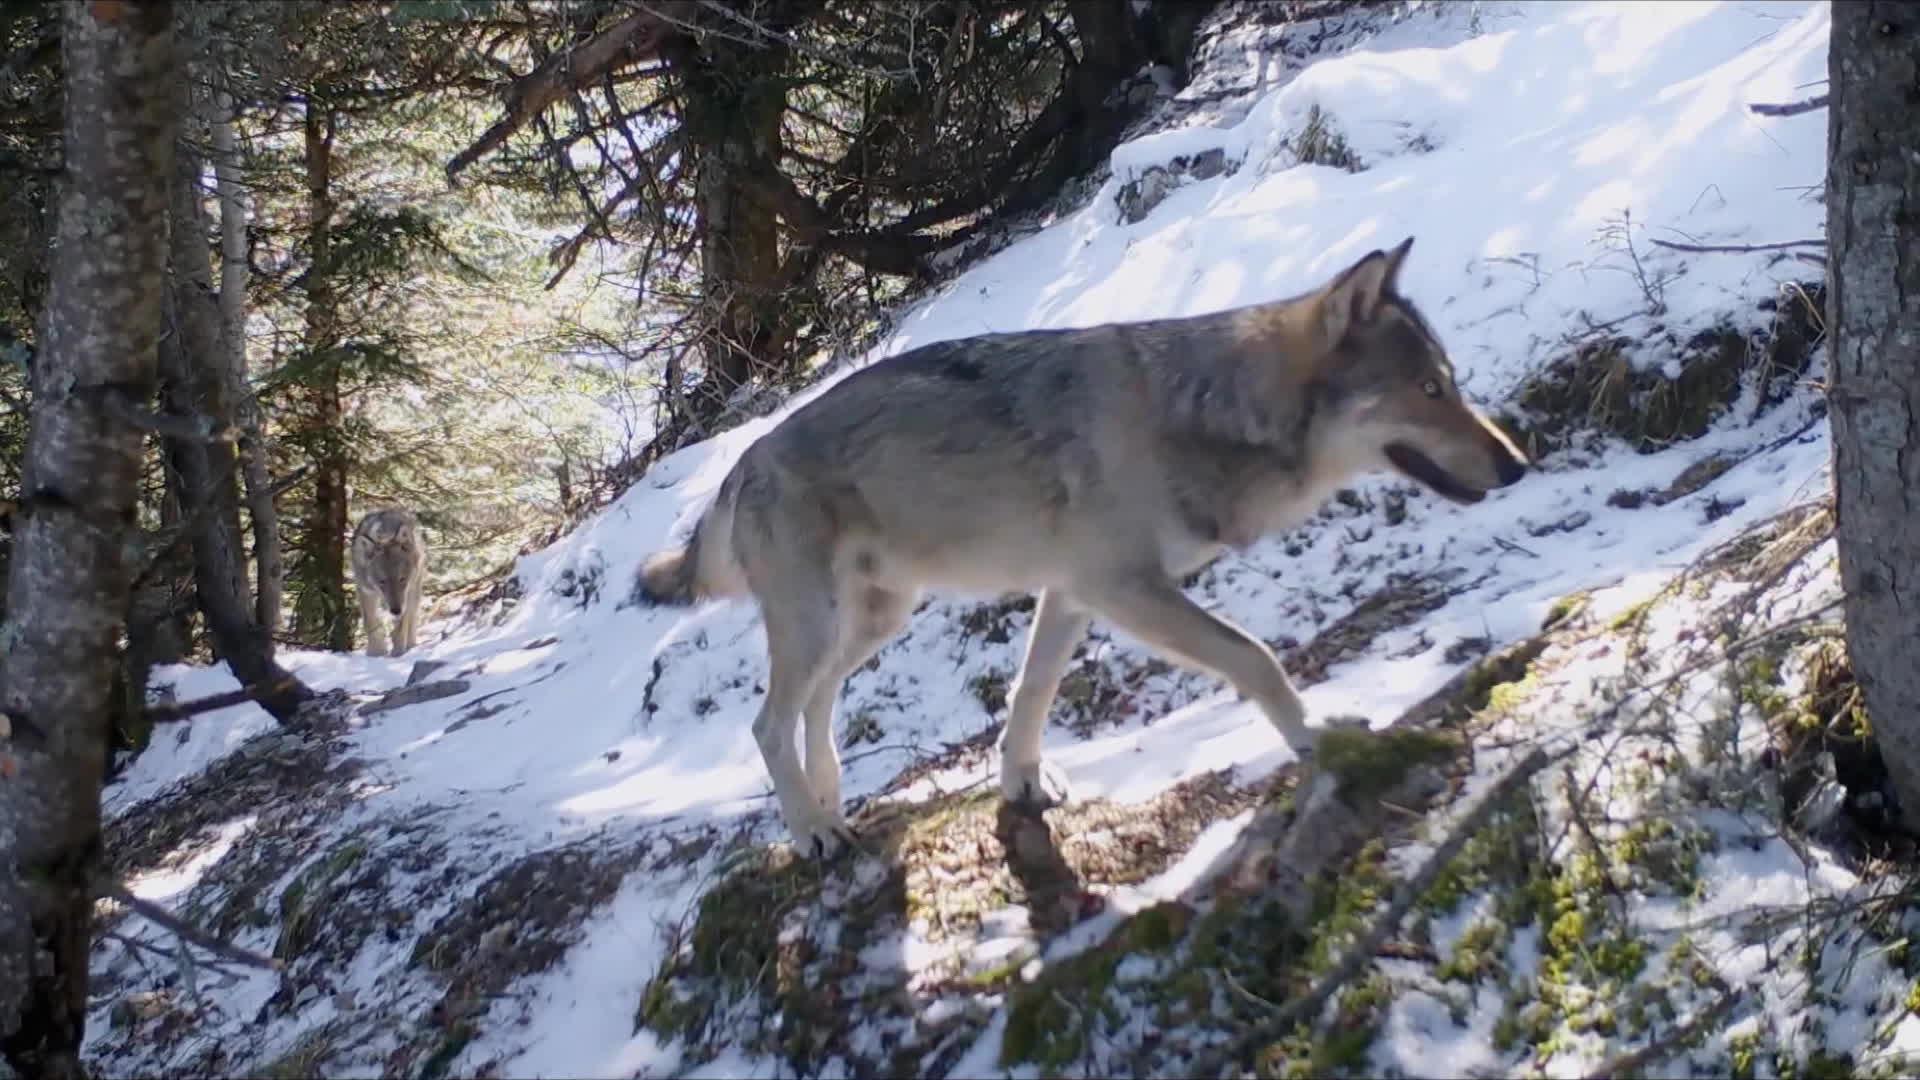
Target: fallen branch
[
  {"x": 1634, "y": 1062},
  {"x": 1387, "y": 924},
  {"x": 136, "y": 946},
  {"x": 186, "y": 931},
  {"x": 1793, "y": 108},
  {"x": 166, "y": 714}
]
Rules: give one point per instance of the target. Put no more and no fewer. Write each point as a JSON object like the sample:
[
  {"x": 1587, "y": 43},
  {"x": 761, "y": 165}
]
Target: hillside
[{"x": 544, "y": 844}]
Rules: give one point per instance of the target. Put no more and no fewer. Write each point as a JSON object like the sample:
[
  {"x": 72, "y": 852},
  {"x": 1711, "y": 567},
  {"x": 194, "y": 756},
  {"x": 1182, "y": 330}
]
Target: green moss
[
  {"x": 1158, "y": 928},
  {"x": 1369, "y": 764},
  {"x": 307, "y": 895},
  {"x": 1632, "y": 616},
  {"x": 1050, "y": 1020},
  {"x": 1566, "y": 608},
  {"x": 1825, "y": 1066},
  {"x": 990, "y": 687},
  {"x": 1503, "y": 856},
  {"x": 1508, "y": 696},
  {"x": 1342, "y": 1051},
  {"x": 1663, "y": 853},
  {"x": 1477, "y": 688},
  {"x": 455, "y": 1040},
  {"x": 733, "y": 949},
  {"x": 1741, "y": 1049},
  {"x": 1479, "y": 953},
  {"x": 994, "y": 977}
]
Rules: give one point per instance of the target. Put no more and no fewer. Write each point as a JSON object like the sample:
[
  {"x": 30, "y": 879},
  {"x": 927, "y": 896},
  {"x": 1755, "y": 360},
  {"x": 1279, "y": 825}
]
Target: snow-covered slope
[{"x": 489, "y": 879}]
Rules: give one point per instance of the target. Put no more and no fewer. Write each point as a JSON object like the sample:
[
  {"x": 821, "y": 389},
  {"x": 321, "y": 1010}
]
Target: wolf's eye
[{"x": 1431, "y": 388}]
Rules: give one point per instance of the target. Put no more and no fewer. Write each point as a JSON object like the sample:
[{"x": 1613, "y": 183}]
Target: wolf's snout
[{"x": 394, "y": 609}]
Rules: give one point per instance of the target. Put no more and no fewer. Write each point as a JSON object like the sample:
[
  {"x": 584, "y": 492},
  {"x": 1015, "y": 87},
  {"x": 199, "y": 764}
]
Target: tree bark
[
  {"x": 270, "y": 568},
  {"x": 322, "y": 616},
  {"x": 159, "y": 630},
  {"x": 69, "y": 582},
  {"x": 734, "y": 101},
  {"x": 197, "y": 384},
  {"x": 1873, "y": 321}
]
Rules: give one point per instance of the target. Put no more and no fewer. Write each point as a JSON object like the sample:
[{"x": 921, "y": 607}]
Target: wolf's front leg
[
  {"x": 408, "y": 622},
  {"x": 371, "y": 618},
  {"x": 1158, "y": 613},
  {"x": 1025, "y": 777}
]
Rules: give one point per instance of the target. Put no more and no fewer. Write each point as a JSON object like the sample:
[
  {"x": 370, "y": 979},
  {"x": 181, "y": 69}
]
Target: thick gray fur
[
  {"x": 1095, "y": 467},
  {"x": 389, "y": 566}
]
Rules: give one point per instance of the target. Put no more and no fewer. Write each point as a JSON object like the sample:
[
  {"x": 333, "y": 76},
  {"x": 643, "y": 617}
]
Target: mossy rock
[
  {"x": 1598, "y": 388},
  {"x": 1369, "y": 764}
]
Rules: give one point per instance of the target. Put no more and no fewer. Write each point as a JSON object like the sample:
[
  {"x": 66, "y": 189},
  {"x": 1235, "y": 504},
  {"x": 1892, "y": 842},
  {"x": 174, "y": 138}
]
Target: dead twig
[
  {"x": 1792, "y": 108},
  {"x": 1507, "y": 545},
  {"x": 1577, "y": 809},
  {"x": 1737, "y": 249},
  {"x": 1634, "y": 1062},
  {"x": 186, "y": 931}
]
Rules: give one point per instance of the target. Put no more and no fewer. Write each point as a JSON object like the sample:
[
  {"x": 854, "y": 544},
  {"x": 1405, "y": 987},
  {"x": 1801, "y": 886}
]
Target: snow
[
  {"x": 1523, "y": 146},
  {"x": 187, "y": 748}
]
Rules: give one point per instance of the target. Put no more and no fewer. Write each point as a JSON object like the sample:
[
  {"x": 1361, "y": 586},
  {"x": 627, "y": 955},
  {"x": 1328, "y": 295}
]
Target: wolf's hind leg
[
  {"x": 877, "y": 616},
  {"x": 1025, "y": 777},
  {"x": 1154, "y": 610}
]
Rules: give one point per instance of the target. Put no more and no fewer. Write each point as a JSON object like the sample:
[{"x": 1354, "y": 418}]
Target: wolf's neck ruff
[{"x": 1244, "y": 392}]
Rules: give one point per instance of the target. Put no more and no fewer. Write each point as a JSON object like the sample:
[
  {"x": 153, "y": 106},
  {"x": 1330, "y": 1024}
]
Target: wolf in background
[
  {"x": 389, "y": 565},
  {"x": 1095, "y": 467}
]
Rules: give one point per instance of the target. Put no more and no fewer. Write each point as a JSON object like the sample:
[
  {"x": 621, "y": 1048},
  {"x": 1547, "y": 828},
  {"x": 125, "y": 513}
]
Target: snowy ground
[{"x": 491, "y": 880}]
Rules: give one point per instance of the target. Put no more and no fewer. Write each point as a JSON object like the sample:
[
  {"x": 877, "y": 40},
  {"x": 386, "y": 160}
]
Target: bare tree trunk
[
  {"x": 271, "y": 572},
  {"x": 735, "y": 98},
  {"x": 1873, "y": 319},
  {"x": 69, "y": 582},
  {"x": 323, "y": 617},
  {"x": 197, "y": 383},
  {"x": 158, "y": 630}
]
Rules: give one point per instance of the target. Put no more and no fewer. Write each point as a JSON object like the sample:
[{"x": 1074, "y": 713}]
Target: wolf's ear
[{"x": 1354, "y": 296}]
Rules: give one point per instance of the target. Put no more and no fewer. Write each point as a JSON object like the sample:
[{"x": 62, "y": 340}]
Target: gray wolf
[
  {"x": 389, "y": 565},
  {"x": 1095, "y": 467}
]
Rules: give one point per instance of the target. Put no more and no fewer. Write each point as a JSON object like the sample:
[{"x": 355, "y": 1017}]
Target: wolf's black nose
[
  {"x": 396, "y": 607},
  {"x": 1510, "y": 467}
]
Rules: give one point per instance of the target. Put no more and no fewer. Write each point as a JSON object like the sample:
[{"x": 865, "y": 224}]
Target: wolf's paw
[
  {"x": 1037, "y": 786},
  {"x": 825, "y": 839}
]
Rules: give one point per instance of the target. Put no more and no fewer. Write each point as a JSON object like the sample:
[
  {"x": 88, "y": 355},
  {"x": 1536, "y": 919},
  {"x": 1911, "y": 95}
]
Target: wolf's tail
[{"x": 702, "y": 568}]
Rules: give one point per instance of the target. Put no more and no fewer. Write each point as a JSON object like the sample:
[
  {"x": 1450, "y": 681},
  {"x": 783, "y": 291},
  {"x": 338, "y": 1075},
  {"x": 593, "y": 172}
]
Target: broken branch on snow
[
  {"x": 186, "y": 931},
  {"x": 165, "y": 714}
]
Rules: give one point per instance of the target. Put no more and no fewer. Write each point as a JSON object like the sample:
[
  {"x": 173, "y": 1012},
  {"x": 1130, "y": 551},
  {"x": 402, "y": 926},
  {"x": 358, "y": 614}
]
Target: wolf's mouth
[{"x": 1421, "y": 468}]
